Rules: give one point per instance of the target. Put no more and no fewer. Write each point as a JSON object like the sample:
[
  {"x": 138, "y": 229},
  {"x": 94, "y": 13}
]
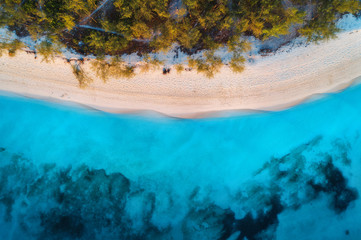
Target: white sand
[{"x": 271, "y": 83}]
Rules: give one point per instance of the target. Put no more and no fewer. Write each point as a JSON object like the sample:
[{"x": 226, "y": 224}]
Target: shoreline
[
  {"x": 271, "y": 83},
  {"x": 201, "y": 115}
]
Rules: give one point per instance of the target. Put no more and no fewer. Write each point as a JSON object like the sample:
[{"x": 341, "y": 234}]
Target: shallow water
[{"x": 72, "y": 173}]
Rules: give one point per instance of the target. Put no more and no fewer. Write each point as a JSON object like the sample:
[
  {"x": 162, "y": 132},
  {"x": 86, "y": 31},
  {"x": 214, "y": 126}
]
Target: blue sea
[{"x": 67, "y": 172}]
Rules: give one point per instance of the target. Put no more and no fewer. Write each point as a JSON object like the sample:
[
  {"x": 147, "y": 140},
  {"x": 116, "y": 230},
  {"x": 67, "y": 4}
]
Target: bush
[
  {"x": 179, "y": 68},
  {"x": 48, "y": 50},
  {"x": 83, "y": 79}
]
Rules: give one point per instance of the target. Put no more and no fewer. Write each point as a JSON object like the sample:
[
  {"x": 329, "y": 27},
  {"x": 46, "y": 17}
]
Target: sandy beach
[{"x": 270, "y": 83}]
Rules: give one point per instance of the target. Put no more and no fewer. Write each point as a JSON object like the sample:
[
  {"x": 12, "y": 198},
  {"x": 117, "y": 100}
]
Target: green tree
[{"x": 237, "y": 63}]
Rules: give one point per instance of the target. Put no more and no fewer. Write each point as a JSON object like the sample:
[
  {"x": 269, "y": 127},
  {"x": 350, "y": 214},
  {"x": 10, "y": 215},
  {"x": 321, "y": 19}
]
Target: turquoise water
[{"x": 72, "y": 173}]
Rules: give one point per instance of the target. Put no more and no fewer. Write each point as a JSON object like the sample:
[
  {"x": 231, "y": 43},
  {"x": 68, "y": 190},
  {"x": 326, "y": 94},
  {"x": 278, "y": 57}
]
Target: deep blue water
[{"x": 72, "y": 173}]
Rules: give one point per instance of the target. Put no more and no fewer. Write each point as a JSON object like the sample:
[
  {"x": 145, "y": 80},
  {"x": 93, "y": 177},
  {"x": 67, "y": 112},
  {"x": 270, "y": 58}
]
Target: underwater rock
[
  {"x": 336, "y": 185},
  {"x": 252, "y": 227},
  {"x": 204, "y": 223},
  {"x": 51, "y": 202},
  {"x": 58, "y": 226},
  {"x": 61, "y": 203}
]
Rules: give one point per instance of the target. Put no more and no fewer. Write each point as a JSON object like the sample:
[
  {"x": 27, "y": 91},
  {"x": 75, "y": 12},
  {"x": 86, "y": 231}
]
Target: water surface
[{"x": 72, "y": 173}]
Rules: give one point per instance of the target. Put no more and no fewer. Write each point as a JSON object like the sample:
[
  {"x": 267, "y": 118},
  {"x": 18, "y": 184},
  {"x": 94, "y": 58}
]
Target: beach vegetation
[
  {"x": 11, "y": 47},
  {"x": 48, "y": 50},
  {"x": 113, "y": 68},
  {"x": 322, "y": 24},
  {"x": 150, "y": 63},
  {"x": 83, "y": 78},
  {"x": 208, "y": 64},
  {"x": 106, "y": 28},
  {"x": 237, "y": 63},
  {"x": 179, "y": 68}
]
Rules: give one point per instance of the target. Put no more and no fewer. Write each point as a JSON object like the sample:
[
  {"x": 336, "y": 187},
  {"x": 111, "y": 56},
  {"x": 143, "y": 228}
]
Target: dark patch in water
[
  {"x": 61, "y": 226},
  {"x": 8, "y": 201},
  {"x": 249, "y": 226},
  {"x": 82, "y": 203},
  {"x": 336, "y": 185},
  {"x": 2, "y": 149},
  {"x": 66, "y": 203},
  {"x": 203, "y": 222}
]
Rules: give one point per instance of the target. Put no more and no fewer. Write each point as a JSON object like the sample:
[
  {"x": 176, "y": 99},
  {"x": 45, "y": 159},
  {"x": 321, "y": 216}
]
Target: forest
[{"x": 113, "y": 28}]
